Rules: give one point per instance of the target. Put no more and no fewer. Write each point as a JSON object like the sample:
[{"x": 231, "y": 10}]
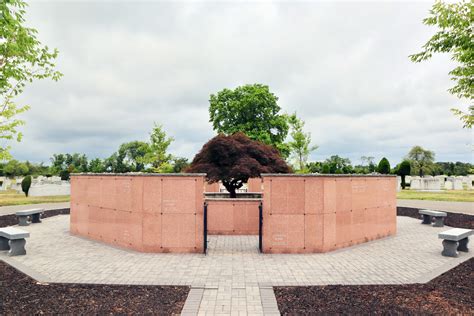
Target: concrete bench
[
  {"x": 13, "y": 239},
  {"x": 428, "y": 214},
  {"x": 34, "y": 213},
  {"x": 455, "y": 239}
]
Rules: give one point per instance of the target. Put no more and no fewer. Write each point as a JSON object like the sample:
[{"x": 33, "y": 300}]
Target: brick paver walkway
[{"x": 234, "y": 276}]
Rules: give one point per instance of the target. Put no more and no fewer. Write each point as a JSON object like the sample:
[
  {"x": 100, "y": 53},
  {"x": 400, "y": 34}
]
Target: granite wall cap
[
  {"x": 138, "y": 174},
  {"x": 315, "y": 175},
  {"x": 233, "y": 199}
]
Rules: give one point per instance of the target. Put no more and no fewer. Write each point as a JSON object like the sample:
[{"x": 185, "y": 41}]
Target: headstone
[
  {"x": 457, "y": 184},
  {"x": 431, "y": 184},
  {"x": 416, "y": 184},
  {"x": 448, "y": 185}
]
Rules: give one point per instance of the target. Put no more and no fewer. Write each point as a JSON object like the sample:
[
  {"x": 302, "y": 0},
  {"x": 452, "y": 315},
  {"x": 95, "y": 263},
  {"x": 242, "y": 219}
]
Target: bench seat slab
[
  {"x": 455, "y": 234},
  {"x": 433, "y": 213},
  {"x": 30, "y": 212}
]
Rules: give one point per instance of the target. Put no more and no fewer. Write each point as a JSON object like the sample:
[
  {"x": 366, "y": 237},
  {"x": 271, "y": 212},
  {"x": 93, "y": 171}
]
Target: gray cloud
[{"x": 342, "y": 66}]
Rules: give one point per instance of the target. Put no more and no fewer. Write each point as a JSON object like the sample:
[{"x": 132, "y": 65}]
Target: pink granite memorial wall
[
  {"x": 313, "y": 213},
  {"x": 149, "y": 213}
]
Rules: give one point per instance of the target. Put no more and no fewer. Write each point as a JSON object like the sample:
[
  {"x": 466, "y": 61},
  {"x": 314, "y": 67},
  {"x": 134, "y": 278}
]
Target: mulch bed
[
  {"x": 12, "y": 219},
  {"x": 21, "y": 295},
  {"x": 450, "y": 293},
  {"x": 452, "y": 219}
]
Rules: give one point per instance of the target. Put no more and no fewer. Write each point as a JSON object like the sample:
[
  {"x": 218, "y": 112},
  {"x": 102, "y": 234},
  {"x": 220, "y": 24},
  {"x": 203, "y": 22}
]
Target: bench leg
[
  {"x": 426, "y": 219},
  {"x": 36, "y": 218},
  {"x": 23, "y": 221},
  {"x": 449, "y": 248},
  {"x": 439, "y": 222},
  {"x": 17, "y": 247},
  {"x": 4, "y": 243},
  {"x": 463, "y": 245}
]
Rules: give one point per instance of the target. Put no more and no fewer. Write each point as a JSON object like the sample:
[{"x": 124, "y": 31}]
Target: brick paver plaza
[{"x": 233, "y": 276}]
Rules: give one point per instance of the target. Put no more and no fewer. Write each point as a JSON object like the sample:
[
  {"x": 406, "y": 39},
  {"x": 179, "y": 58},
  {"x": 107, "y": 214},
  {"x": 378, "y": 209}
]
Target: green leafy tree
[
  {"x": 179, "y": 164},
  {"x": 23, "y": 59},
  {"x": 131, "y": 156},
  {"x": 403, "y": 170},
  {"x": 300, "y": 145},
  {"x": 420, "y": 159},
  {"x": 253, "y": 110},
  {"x": 368, "y": 165},
  {"x": 157, "y": 154},
  {"x": 96, "y": 166},
  {"x": 384, "y": 166},
  {"x": 455, "y": 37},
  {"x": 65, "y": 164},
  {"x": 337, "y": 165},
  {"x": 26, "y": 184},
  {"x": 14, "y": 168}
]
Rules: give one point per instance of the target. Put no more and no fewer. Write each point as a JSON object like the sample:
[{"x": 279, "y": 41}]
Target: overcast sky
[{"x": 343, "y": 67}]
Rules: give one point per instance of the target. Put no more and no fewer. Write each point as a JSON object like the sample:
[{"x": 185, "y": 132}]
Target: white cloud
[{"x": 343, "y": 67}]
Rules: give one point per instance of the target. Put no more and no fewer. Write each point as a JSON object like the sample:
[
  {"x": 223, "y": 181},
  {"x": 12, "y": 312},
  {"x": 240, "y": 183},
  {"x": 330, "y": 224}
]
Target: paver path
[
  {"x": 233, "y": 273},
  {"x": 11, "y": 209},
  {"x": 455, "y": 207}
]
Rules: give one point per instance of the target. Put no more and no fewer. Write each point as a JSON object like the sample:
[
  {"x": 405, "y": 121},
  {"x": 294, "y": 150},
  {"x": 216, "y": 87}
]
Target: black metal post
[
  {"x": 205, "y": 227},
  {"x": 260, "y": 227}
]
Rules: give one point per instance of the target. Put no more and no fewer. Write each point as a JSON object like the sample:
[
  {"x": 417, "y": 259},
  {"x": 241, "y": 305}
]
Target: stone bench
[
  {"x": 13, "y": 239},
  {"x": 428, "y": 214},
  {"x": 455, "y": 239},
  {"x": 34, "y": 213}
]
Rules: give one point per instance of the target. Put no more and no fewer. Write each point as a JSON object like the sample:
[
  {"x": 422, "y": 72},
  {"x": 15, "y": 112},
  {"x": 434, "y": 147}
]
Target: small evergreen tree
[
  {"x": 404, "y": 169},
  {"x": 26, "y": 184},
  {"x": 384, "y": 166}
]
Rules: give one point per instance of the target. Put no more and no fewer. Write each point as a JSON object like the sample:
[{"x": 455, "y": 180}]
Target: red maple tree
[{"x": 234, "y": 159}]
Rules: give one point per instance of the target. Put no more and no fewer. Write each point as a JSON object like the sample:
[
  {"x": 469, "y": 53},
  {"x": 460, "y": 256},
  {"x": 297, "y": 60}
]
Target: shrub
[
  {"x": 384, "y": 166},
  {"x": 26, "y": 184},
  {"x": 403, "y": 170}
]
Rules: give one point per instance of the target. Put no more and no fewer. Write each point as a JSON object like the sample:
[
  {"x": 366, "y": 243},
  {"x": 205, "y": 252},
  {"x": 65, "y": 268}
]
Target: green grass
[
  {"x": 450, "y": 196},
  {"x": 12, "y": 197}
]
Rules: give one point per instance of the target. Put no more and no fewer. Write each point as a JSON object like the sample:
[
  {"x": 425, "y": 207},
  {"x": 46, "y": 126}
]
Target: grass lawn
[
  {"x": 450, "y": 196},
  {"x": 12, "y": 197}
]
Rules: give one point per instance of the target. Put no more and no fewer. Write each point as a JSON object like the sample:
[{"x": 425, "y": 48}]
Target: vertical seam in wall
[
  {"x": 161, "y": 212},
  {"x": 304, "y": 214}
]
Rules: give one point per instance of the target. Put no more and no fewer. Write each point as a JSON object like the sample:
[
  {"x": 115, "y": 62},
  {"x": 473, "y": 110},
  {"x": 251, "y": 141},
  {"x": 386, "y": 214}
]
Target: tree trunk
[
  {"x": 403, "y": 182},
  {"x": 230, "y": 188},
  {"x": 232, "y": 193}
]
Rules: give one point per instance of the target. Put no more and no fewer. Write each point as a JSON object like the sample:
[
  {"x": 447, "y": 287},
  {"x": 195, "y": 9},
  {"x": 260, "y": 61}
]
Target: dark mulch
[
  {"x": 21, "y": 295},
  {"x": 11, "y": 219},
  {"x": 452, "y": 219},
  {"x": 450, "y": 293}
]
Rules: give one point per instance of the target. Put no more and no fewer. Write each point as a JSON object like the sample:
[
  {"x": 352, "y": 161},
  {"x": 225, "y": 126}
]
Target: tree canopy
[
  {"x": 455, "y": 37},
  {"x": 253, "y": 110},
  {"x": 22, "y": 59},
  {"x": 300, "y": 145},
  {"x": 403, "y": 170},
  {"x": 421, "y": 159},
  {"x": 384, "y": 166},
  {"x": 233, "y": 159}
]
